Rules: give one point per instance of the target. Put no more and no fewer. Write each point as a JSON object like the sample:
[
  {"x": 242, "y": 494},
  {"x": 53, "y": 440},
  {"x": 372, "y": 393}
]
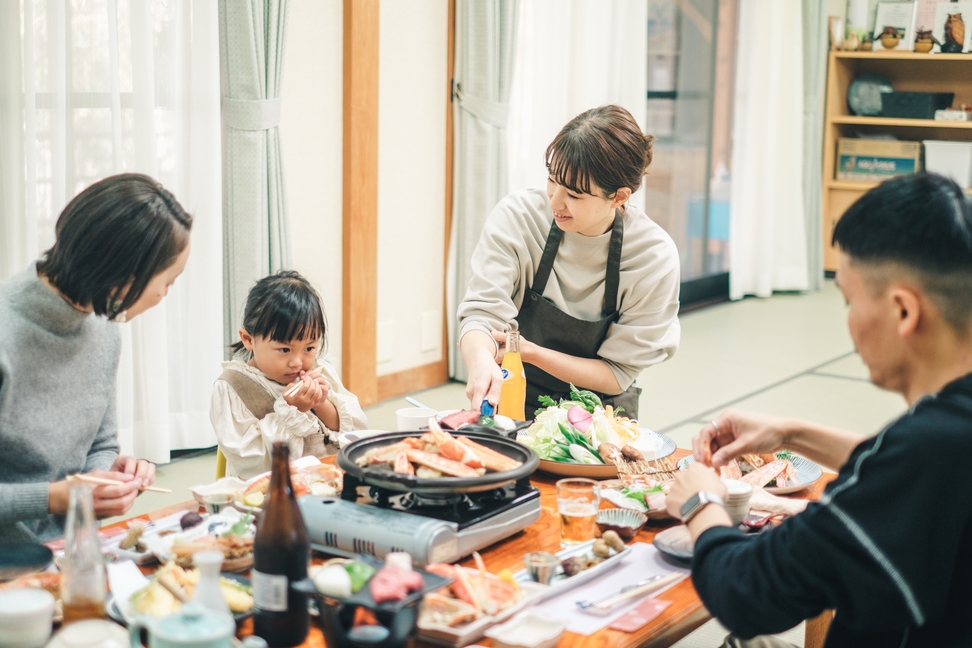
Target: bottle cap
[{"x": 486, "y": 409}]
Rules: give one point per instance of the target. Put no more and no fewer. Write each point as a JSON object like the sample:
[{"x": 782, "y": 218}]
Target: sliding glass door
[{"x": 691, "y": 55}]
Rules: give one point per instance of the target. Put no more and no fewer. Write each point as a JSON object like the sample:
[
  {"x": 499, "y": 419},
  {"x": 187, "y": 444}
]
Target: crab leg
[
  {"x": 762, "y": 476},
  {"x": 493, "y": 460},
  {"x": 443, "y": 465},
  {"x": 402, "y": 464}
]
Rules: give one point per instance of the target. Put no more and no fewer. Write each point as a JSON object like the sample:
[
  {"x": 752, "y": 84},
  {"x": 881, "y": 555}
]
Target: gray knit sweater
[{"x": 57, "y": 401}]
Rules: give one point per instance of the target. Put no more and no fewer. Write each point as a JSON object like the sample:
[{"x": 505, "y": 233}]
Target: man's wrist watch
[{"x": 697, "y": 502}]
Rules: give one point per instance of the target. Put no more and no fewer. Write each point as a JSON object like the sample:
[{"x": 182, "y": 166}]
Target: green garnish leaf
[
  {"x": 785, "y": 454},
  {"x": 640, "y": 495},
  {"x": 546, "y": 401}
]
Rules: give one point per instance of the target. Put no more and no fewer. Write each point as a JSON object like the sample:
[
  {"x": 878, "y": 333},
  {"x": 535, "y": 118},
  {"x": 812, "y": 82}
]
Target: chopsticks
[
  {"x": 603, "y": 606},
  {"x": 101, "y": 481},
  {"x": 293, "y": 390}
]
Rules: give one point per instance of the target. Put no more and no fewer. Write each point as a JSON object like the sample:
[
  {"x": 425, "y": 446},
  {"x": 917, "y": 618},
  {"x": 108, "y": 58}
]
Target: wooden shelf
[
  {"x": 907, "y": 72},
  {"x": 902, "y": 55},
  {"x": 896, "y": 121},
  {"x": 852, "y": 185}
]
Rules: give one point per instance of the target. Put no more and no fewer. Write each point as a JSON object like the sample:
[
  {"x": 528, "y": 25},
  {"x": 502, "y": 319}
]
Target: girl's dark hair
[
  {"x": 923, "y": 223},
  {"x": 122, "y": 230},
  {"x": 602, "y": 146},
  {"x": 283, "y": 307}
]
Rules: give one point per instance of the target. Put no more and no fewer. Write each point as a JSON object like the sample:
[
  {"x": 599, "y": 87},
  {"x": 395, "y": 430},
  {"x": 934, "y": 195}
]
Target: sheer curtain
[
  {"x": 768, "y": 233},
  {"x": 572, "y": 55},
  {"x": 485, "y": 31},
  {"x": 102, "y": 87}
]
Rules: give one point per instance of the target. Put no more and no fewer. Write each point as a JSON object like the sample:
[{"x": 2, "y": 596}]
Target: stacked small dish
[{"x": 737, "y": 499}]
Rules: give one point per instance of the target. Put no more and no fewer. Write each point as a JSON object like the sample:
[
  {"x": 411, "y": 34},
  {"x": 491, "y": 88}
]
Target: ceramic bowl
[
  {"x": 529, "y": 629},
  {"x": 625, "y": 522}
]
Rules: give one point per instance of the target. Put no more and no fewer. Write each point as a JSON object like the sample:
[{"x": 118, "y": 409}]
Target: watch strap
[{"x": 697, "y": 502}]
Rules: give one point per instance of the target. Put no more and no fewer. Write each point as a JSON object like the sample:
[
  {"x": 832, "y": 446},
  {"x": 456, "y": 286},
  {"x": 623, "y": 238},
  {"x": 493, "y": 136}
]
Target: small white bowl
[
  {"x": 224, "y": 486},
  {"x": 529, "y": 629}
]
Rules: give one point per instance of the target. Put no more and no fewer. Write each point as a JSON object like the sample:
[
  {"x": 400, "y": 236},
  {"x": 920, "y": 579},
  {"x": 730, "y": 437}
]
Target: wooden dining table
[{"x": 685, "y": 614}]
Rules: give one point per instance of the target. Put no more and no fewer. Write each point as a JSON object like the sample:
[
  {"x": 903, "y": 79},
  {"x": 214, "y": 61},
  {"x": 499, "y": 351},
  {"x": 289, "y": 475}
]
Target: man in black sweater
[{"x": 889, "y": 547}]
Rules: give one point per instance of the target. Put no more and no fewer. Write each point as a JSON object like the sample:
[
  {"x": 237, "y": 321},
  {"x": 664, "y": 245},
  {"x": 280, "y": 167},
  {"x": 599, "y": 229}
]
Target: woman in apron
[{"x": 590, "y": 281}]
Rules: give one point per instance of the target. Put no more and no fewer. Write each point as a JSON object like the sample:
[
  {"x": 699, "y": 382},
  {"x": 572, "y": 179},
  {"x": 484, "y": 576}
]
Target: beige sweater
[{"x": 509, "y": 251}]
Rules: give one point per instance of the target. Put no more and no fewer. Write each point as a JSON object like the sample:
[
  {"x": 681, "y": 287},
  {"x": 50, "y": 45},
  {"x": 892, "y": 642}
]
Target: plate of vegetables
[{"x": 580, "y": 437}]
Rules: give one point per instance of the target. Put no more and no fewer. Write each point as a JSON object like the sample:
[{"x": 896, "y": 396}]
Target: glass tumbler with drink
[{"x": 578, "y": 499}]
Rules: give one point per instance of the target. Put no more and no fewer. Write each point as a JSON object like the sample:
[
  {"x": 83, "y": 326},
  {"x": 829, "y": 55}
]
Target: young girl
[{"x": 277, "y": 387}]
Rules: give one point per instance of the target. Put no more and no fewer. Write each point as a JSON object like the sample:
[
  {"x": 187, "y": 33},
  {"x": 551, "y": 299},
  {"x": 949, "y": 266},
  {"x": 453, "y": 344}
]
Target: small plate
[
  {"x": 561, "y": 582},
  {"x": 114, "y": 610},
  {"x": 21, "y": 559},
  {"x": 467, "y": 633},
  {"x": 807, "y": 473},
  {"x": 676, "y": 543},
  {"x": 664, "y": 446}
]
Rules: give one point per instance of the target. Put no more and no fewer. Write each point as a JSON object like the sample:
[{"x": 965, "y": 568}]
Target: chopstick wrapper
[
  {"x": 644, "y": 561},
  {"x": 642, "y": 615}
]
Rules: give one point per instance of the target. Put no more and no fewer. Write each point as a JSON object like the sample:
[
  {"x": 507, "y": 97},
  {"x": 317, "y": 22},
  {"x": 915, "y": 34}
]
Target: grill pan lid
[{"x": 388, "y": 479}]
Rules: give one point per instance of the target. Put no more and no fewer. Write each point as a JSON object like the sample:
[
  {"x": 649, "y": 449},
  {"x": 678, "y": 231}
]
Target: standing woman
[
  {"x": 120, "y": 244},
  {"x": 590, "y": 281}
]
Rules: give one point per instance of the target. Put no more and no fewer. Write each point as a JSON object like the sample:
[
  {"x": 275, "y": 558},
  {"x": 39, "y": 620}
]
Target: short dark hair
[
  {"x": 921, "y": 222},
  {"x": 122, "y": 230},
  {"x": 602, "y": 146},
  {"x": 284, "y": 307}
]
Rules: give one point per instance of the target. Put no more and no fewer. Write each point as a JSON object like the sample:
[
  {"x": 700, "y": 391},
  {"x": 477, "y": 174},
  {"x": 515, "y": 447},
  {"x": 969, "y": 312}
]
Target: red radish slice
[{"x": 579, "y": 417}]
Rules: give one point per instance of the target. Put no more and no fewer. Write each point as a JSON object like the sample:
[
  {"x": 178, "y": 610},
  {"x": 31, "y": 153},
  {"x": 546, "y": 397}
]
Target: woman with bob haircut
[
  {"x": 119, "y": 245},
  {"x": 590, "y": 281}
]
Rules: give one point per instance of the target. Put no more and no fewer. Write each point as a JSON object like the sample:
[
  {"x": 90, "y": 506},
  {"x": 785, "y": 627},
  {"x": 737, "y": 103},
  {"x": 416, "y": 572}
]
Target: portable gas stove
[{"x": 431, "y": 528}]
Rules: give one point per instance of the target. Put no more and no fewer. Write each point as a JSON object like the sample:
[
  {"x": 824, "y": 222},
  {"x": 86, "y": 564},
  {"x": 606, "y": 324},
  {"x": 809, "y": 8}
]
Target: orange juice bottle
[{"x": 512, "y": 400}]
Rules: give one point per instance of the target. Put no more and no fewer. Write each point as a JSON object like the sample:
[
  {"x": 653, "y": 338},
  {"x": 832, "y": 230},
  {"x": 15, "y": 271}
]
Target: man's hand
[
  {"x": 694, "y": 479},
  {"x": 733, "y": 433}
]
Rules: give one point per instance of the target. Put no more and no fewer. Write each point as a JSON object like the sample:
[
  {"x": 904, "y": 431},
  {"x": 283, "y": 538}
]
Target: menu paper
[{"x": 642, "y": 562}]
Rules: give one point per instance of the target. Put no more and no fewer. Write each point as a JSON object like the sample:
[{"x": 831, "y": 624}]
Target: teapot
[{"x": 192, "y": 627}]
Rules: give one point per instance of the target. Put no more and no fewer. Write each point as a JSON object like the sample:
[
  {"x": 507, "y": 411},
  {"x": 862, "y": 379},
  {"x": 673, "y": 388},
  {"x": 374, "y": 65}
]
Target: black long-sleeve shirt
[{"x": 889, "y": 546}]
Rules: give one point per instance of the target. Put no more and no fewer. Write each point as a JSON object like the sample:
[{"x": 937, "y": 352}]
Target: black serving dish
[
  {"x": 396, "y": 621},
  {"x": 383, "y": 477},
  {"x": 21, "y": 559}
]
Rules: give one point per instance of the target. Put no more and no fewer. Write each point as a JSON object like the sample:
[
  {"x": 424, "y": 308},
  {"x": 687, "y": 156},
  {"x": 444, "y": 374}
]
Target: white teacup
[
  {"x": 738, "y": 494},
  {"x": 414, "y": 418},
  {"x": 25, "y": 618}
]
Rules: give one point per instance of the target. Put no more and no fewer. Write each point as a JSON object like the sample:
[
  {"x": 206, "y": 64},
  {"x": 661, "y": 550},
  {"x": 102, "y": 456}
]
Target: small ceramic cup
[
  {"x": 26, "y": 616},
  {"x": 216, "y": 502},
  {"x": 738, "y": 494},
  {"x": 414, "y": 418}
]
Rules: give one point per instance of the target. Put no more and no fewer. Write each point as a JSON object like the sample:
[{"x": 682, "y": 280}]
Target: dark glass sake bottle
[{"x": 281, "y": 551}]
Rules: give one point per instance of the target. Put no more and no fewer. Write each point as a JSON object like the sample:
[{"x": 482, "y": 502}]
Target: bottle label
[
  {"x": 269, "y": 591},
  {"x": 506, "y": 374}
]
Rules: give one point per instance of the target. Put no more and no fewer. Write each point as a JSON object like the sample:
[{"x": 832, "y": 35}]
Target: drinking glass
[{"x": 578, "y": 499}]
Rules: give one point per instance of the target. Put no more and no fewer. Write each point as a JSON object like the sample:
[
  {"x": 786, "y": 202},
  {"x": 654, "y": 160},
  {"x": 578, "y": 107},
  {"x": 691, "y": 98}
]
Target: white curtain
[
  {"x": 106, "y": 86},
  {"x": 485, "y": 31},
  {"x": 252, "y": 35},
  {"x": 572, "y": 55},
  {"x": 768, "y": 234},
  {"x": 816, "y": 44}
]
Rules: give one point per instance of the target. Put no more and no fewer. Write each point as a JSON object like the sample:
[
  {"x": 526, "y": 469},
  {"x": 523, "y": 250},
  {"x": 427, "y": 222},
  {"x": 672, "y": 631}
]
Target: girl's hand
[
  {"x": 307, "y": 396},
  {"x": 325, "y": 387}
]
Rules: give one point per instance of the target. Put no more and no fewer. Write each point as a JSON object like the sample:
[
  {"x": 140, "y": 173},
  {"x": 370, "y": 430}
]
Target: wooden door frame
[{"x": 359, "y": 313}]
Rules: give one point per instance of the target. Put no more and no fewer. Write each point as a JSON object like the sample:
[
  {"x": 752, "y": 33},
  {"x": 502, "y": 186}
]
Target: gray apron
[{"x": 544, "y": 324}]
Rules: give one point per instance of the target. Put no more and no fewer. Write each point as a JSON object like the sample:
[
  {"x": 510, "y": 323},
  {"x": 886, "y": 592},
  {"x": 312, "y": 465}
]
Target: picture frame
[
  {"x": 898, "y": 17},
  {"x": 963, "y": 24}
]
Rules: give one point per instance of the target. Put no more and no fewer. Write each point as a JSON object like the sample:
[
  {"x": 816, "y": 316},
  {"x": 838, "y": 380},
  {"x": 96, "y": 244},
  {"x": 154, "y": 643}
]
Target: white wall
[
  {"x": 311, "y": 138},
  {"x": 411, "y": 172},
  {"x": 413, "y": 87}
]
